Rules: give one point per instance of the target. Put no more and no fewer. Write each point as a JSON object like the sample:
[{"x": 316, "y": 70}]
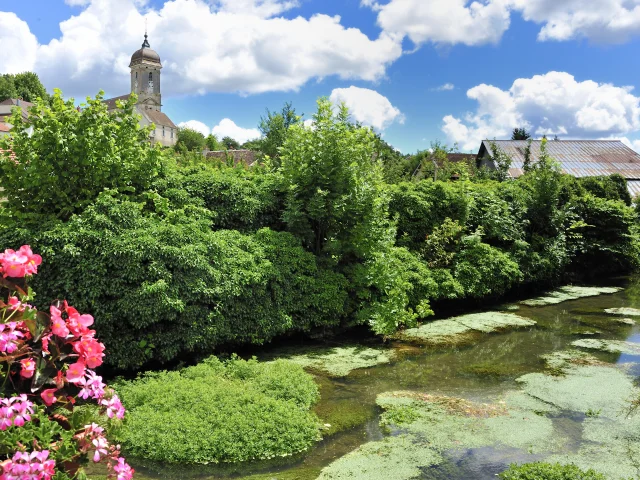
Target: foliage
[
  {"x": 189, "y": 140},
  {"x": 26, "y": 86},
  {"x": 73, "y": 155},
  {"x": 337, "y": 206},
  {"x": 229, "y": 143},
  {"x": 549, "y": 471},
  {"x": 612, "y": 187},
  {"x": 163, "y": 283},
  {"x": 274, "y": 127},
  {"x": 440, "y": 247},
  {"x": 501, "y": 160},
  {"x": 520, "y": 134},
  {"x": 212, "y": 143},
  {"x": 46, "y": 374},
  {"x": 237, "y": 411}
]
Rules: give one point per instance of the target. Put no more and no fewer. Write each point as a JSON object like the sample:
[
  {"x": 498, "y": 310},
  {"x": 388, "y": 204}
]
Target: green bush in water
[
  {"x": 217, "y": 412},
  {"x": 549, "y": 471}
]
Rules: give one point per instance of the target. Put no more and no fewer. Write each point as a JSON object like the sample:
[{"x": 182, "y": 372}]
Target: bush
[
  {"x": 73, "y": 155},
  {"x": 237, "y": 411},
  {"x": 612, "y": 187},
  {"x": 549, "y": 471},
  {"x": 162, "y": 285}
]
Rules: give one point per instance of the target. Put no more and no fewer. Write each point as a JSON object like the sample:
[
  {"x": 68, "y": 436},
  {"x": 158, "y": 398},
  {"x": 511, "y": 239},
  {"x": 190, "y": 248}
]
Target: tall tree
[
  {"x": 230, "y": 144},
  {"x": 212, "y": 143},
  {"x": 7, "y": 87},
  {"x": 520, "y": 134},
  {"x": 189, "y": 140},
  {"x": 29, "y": 87},
  {"x": 274, "y": 129}
]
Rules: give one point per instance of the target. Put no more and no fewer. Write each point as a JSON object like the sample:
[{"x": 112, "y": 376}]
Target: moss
[
  {"x": 457, "y": 329},
  {"x": 344, "y": 414},
  {"x": 566, "y": 359},
  {"x": 627, "y": 312},
  {"x": 612, "y": 346},
  {"x": 340, "y": 361},
  {"x": 569, "y": 292}
]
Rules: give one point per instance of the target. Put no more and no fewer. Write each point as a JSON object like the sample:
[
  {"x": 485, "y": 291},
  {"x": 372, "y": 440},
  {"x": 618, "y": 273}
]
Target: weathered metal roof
[{"x": 580, "y": 158}]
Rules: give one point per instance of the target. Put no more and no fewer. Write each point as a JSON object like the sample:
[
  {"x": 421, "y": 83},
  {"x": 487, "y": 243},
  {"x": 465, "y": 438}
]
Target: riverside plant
[{"x": 54, "y": 409}]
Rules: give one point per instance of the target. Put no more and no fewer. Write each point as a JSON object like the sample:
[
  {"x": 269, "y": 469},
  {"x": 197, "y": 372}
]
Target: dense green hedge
[
  {"x": 160, "y": 285},
  {"x": 220, "y": 412}
]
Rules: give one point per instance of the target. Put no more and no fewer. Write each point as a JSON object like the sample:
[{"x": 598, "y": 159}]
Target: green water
[{"x": 481, "y": 371}]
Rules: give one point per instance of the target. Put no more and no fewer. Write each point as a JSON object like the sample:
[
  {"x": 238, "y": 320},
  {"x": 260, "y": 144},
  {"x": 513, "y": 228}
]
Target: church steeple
[{"x": 145, "y": 75}]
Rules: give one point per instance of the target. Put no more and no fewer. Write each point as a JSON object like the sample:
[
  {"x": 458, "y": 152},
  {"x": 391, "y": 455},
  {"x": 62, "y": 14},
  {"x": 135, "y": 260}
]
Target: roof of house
[
  {"x": 17, "y": 102},
  {"x": 111, "y": 102},
  {"x": 4, "y": 127},
  {"x": 461, "y": 157},
  {"x": 246, "y": 157},
  {"x": 158, "y": 118},
  {"x": 580, "y": 158}
]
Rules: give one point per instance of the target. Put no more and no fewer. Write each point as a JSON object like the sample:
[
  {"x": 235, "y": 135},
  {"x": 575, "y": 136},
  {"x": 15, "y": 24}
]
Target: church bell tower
[{"x": 145, "y": 76}]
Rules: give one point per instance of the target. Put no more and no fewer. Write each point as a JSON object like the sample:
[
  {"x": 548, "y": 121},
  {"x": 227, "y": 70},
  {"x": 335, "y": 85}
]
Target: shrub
[
  {"x": 164, "y": 284},
  {"x": 236, "y": 411},
  {"x": 73, "y": 155},
  {"x": 549, "y": 471},
  {"x": 612, "y": 187}
]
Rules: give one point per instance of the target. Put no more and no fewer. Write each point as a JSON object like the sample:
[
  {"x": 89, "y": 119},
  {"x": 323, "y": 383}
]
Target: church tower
[{"x": 145, "y": 76}]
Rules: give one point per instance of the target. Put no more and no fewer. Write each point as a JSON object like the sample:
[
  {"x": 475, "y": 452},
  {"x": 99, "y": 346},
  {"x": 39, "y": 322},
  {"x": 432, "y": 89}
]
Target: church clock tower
[{"x": 145, "y": 76}]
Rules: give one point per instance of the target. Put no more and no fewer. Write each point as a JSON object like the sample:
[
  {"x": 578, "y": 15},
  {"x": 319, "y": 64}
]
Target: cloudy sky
[{"x": 415, "y": 70}]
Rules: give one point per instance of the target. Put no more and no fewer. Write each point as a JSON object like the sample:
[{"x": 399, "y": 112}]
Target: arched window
[
  {"x": 163, "y": 130},
  {"x": 151, "y": 76},
  {"x": 150, "y": 87}
]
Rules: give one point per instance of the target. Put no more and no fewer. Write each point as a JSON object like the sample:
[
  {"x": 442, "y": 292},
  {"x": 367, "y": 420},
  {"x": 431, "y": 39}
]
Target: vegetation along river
[{"x": 470, "y": 403}]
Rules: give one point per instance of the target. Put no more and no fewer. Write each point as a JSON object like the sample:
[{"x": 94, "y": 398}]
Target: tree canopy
[{"x": 26, "y": 86}]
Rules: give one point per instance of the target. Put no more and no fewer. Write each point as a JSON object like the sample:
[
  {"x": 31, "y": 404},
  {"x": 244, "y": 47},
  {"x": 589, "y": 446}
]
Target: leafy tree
[
  {"x": 255, "y": 145},
  {"x": 274, "y": 129},
  {"x": 73, "y": 155},
  {"x": 26, "y": 86},
  {"x": 502, "y": 162},
  {"x": 230, "y": 144},
  {"x": 520, "y": 134},
  {"x": 189, "y": 140},
  {"x": 7, "y": 87},
  {"x": 212, "y": 143}
]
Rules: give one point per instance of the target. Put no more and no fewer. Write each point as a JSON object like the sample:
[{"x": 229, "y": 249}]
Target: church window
[
  {"x": 172, "y": 133},
  {"x": 163, "y": 131}
]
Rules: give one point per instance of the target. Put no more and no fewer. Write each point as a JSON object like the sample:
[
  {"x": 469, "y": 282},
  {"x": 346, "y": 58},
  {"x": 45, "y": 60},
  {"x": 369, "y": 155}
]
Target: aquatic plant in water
[
  {"x": 340, "y": 361},
  {"x": 569, "y": 292},
  {"x": 612, "y": 346}
]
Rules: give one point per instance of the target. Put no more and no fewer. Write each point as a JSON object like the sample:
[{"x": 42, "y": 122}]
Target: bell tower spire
[{"x": 145, "y": 75}]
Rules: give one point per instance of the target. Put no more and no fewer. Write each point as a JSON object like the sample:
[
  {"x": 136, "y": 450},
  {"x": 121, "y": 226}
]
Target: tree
[
  {"x": 520, "y": 134},
  {"x": 7, "y": 87},
  {"x": 212, "y": 143},
  {"x": 230, "y": 144},
  {"x": 274, "y": 129},
  {"x": 26, "y": 86},
  {"x": 74, "y": 154},
  {"x": 190, "y": 140}
]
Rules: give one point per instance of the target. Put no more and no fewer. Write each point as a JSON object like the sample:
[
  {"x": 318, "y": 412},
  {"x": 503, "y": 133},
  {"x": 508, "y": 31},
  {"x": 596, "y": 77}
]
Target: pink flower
[
  {"x": 49, "y": 396},
  {"x": 33, "y": 466},
  {"x": 124, "y": 471},
  {"x": 90, "y": 351},
  {"x": 9, "y": 336},
  {"x": 102, "y": 448},
  {"x": 75, "y": 373},
  {"x": 19, "y": 264},
  {"x": 92, "y": 386},
  {"x": 78, "y": 323},
  {"x": 14, "y": 303},
  {"x": 6, "y": 415},
  {"x": 58, "y": 325},
  {"x": 45, "y": 343},
  {"x": 28, "y": 367},
  {"x": 114, "y": 407}
]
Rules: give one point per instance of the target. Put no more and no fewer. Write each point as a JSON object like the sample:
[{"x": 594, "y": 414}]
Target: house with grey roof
[
  {"x": 145, "y": 68},
  {"x": 580, "y": 158}
]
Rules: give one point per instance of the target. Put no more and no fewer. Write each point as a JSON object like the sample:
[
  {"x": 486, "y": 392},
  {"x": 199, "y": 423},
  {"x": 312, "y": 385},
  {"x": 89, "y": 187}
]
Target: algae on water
[
  {"x": 612, "y": 346},
  {"x": 340, "y": 361},
  {"x": 627, "y": 312},
  {"x": 569, "y": 292},
  {"x": 457, "y": 329}
]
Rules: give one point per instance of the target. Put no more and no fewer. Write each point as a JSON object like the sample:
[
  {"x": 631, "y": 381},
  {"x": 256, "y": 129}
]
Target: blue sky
[{"x": 565, "y": 68}]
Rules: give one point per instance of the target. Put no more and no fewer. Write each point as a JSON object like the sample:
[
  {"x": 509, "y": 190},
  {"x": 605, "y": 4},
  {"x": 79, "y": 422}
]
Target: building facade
[{"x": 145, "y": 68}]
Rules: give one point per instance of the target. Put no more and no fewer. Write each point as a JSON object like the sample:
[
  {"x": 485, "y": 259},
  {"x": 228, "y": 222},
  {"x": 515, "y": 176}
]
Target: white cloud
[
  {"x": 444, "y": 22},
  {"x": 228, "y": 128},
  {"x": 223, "y": 46},
  {"x": 553, "y": 103},
  {"x": 195, "y": 125},
  {"x": 634, "y": 144},
  {"x": 606, "y": 21},
  {"x": 19, "y": 45},
  {"x": 77, "y": 3},
  {"x": 444, "y": 88},
  {"x": 368, "y": 106}
]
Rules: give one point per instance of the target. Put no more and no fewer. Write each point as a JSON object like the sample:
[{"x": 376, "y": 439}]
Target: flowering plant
[{"x": 53, "y": 406}]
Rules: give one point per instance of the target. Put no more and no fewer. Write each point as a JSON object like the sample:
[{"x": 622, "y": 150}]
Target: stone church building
[{"x": 145, "y": 83}]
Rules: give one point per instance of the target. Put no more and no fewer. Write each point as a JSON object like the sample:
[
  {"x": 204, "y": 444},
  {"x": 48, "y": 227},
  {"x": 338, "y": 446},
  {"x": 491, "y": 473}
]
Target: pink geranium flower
[
  {"x": 49, "y": 396},
  {"x": 76, "y": 372},
  {"x": 124, "y": 471},
  {"x": 102, "y": 448},
  {"x": 28, "y": 367},
  {"x": 90, "y": 350},
  {"x": 114, "y": 407}
]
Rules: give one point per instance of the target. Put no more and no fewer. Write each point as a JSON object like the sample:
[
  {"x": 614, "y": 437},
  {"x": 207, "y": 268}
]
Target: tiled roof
[
  {"x": 111, "y": 102},
  {"x": 580, "y": 158},
  {"x": 159, "y": 118},
  {"x": 4, "y": 127},
  {"x": 16, "y": 102}
]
